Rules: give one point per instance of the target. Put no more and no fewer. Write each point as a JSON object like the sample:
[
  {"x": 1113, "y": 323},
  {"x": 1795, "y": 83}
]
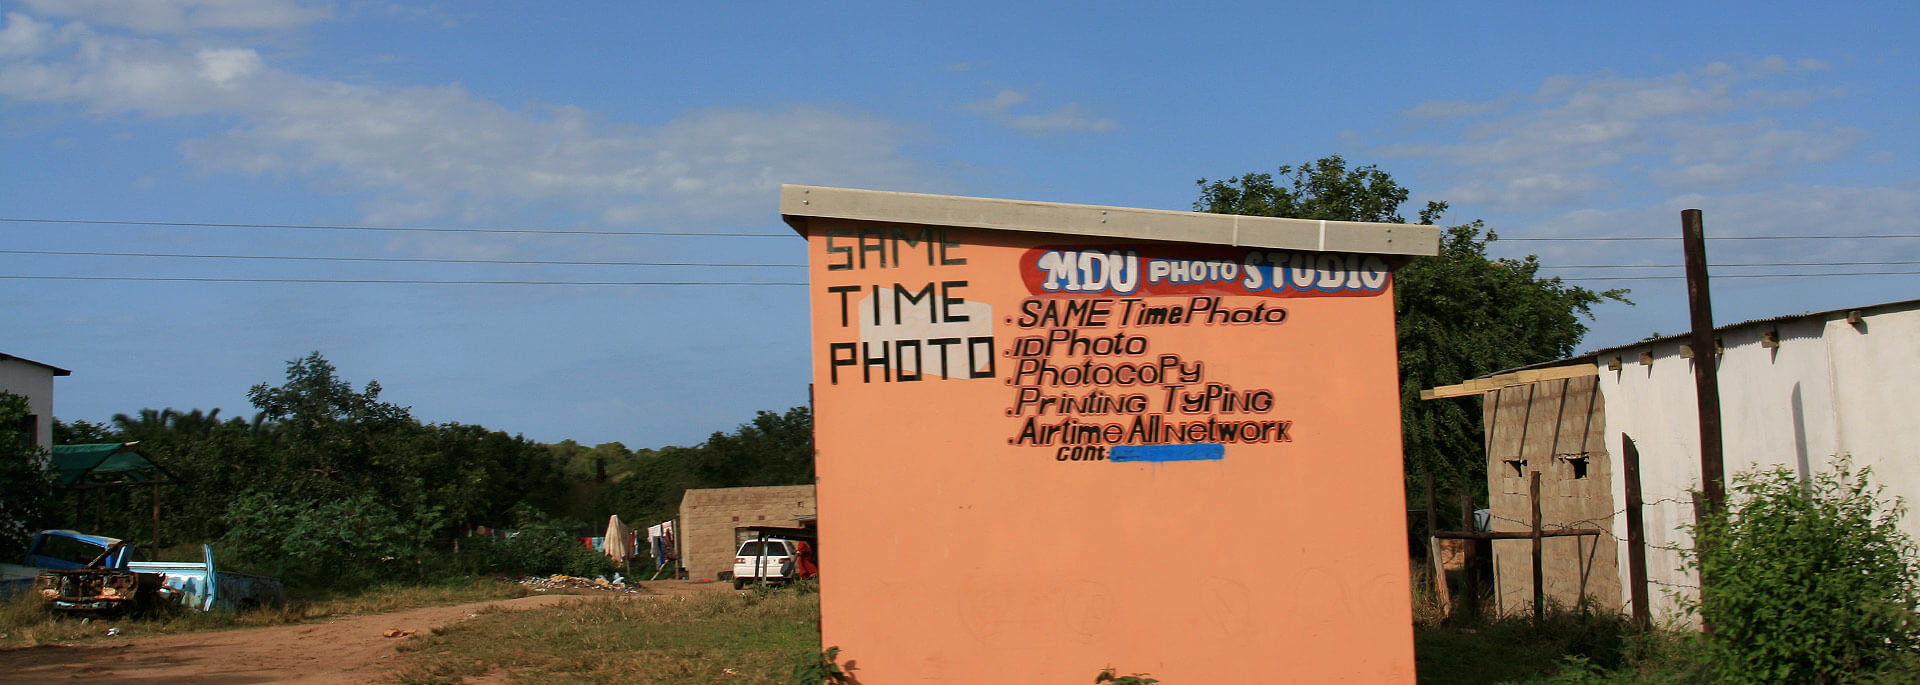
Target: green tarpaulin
[{"x": 110, "y": 463}]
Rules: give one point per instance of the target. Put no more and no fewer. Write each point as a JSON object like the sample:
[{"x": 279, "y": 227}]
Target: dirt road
[{"x": 352, "y": 649}]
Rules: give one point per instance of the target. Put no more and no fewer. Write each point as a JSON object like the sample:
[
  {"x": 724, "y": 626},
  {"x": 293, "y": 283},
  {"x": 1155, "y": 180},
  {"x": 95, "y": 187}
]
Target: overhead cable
[
  {"x": 176, "y": 255},
  {"x": 420, "y": 229}
]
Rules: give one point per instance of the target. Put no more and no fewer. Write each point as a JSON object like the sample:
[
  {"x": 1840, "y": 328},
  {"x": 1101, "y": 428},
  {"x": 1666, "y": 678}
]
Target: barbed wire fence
[{"x": 1599, "y": 527}]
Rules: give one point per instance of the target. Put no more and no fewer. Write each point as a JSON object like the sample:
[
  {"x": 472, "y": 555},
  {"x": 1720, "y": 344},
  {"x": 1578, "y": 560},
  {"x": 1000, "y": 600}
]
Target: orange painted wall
[{"x": 953, "y": 556}]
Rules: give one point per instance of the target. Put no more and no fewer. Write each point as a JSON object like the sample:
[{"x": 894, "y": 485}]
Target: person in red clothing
[{"x": 804, "y": 562}]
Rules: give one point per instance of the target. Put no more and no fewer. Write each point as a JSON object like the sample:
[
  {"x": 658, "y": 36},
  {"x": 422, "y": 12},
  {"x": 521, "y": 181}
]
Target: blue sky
[{"x": 1547, "y": 121}]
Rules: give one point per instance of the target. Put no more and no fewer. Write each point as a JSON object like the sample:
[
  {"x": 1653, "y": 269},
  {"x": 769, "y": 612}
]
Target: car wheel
[{"x": 739, "y": 583}]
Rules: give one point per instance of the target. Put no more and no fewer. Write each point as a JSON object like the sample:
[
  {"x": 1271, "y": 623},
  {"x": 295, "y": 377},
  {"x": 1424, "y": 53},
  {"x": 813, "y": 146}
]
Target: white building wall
[
  {"x": 36, "y": 383},
  {"x": 1829, "y": 388}
]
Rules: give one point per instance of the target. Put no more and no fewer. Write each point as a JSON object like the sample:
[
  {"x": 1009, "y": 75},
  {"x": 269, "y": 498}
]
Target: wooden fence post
[
  {"x": 1636, "y": 534},
  {"x": 1440, "y": 594},
  {"x": 1472, "y": 584},
  {"x": 1539, "y": 589}
]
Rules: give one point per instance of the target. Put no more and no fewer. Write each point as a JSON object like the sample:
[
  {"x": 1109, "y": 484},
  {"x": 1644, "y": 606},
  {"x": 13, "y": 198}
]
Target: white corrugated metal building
[{"x": 1795, "y": 391}]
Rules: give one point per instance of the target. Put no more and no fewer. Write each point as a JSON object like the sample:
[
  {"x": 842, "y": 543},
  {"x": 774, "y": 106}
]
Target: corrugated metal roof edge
[
  {"x": 1594, "y": 356},
  {"x": 57, "y": 371}
]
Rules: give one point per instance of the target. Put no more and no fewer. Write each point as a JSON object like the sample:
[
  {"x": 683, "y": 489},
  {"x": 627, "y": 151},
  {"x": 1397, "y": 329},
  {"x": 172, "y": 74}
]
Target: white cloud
[
  {"x": 185, "y": 16},
  {"x": 1713, "y": 128},
  {"x": 22, "y": 35},
  {"x": 441, "y": 151},
  {"x": 1451, "y": 109},
  {"x": 1067, "y": 118},
  {"x": 1809, "y": 210},
  {"x": 225, "y": 66}
]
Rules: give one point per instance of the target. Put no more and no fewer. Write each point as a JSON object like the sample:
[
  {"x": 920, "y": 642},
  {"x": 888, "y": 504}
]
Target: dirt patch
[{"x": 352, "y": 649}]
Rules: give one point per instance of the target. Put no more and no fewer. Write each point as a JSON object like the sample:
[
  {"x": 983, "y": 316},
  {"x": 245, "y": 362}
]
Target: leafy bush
[
  {"x": 26, "y": 480},
  {"x": 328, "y": 543},
  {"x": 540, "y": 547},
  {"x": 1107, "y": 675},
  {"x": 1806, "y": 581},
  {"x": 822, "y": 668}
]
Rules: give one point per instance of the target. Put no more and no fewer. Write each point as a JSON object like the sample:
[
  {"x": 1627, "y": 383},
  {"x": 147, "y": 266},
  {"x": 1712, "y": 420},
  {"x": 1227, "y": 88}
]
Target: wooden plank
[{"x": 1481, "y": 386}]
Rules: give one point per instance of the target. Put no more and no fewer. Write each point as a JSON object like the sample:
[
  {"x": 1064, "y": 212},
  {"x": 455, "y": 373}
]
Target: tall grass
[
  {"x": 26, "y": 621},
  {"x": 748, "y": 637}
]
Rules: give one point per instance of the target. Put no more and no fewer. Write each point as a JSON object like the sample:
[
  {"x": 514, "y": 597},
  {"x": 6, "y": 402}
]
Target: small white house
[
  {"x": 33, "y": 380},
  {"x": 1795, "y": 391}
]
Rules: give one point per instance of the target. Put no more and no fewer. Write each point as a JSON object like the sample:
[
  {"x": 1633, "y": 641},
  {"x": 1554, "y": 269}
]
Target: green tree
[
  {"x": 327, "y": 483},
  {"x": 1458, "y": 315},
  {"x": 477, "y": 475},
  {"x": 332, "y": 541},
  {"x": 1808, "y": 580},
  {"x": 80, "y": 432},
  {"x": 26, "y": 479},
  {"x": 775, "y": 448},
  {"x": 331, "y": 440}
]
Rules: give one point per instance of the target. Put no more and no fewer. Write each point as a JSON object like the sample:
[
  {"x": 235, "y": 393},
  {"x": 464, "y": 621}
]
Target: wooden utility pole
[
  {"x": 1706, "y": 383},
  {"x": 1706, "y": 362}
]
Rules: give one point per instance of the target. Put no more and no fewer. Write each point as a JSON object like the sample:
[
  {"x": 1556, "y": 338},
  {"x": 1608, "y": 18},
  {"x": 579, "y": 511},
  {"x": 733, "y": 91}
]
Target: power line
[
  {"x": 1716, "y": 266},
  {"x": 1723, "y": 276},
  {"x": 418, "y": 229},
  {"x": 734, "y": 234},
  {"x": 383, "y": 259},
  {"x": 409, "y": 281},
  {"x": 1724, "y": 237},
  {"x": 386, "y": 281},
  {"x": 551, "y": 262}
]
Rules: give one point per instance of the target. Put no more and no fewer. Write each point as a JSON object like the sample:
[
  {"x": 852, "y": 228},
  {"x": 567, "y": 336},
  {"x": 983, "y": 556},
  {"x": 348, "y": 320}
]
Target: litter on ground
[{"x": 565, "y": 582}]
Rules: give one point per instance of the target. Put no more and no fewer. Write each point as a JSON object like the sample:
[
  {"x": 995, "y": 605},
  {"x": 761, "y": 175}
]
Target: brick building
[{"x": 709, "y": 519}]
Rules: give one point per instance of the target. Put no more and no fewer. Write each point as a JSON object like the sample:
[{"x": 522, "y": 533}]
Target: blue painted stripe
[{"x": 1196, "y": 452}]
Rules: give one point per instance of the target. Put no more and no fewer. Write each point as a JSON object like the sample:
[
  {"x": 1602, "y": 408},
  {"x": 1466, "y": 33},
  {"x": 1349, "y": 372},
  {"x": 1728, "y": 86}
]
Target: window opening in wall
[
  {"x": 1519, "y": 466},
  {"x": 1579, "y": 463}
]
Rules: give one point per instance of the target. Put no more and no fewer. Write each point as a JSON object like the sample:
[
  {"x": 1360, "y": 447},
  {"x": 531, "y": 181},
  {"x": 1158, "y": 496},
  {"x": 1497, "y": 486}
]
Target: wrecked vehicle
[
  {"x": 104, "y": 591},
  {"x": 97, "y": 574}
]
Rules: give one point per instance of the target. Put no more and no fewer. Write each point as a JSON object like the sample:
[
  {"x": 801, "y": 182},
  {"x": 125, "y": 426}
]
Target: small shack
[
  {"x": 711, "y": 521},
  {"x": 89, "y": 471},
  {"x": 1017, "y": 403}
]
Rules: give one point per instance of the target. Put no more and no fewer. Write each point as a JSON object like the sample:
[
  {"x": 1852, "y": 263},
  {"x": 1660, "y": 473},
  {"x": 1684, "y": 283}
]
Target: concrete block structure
[
  {"x": 708, "y": 519},
  {"x": 1016, "y": 401},
  {"x": 34, "y": 381},
  {"x": 1557, "y": 428}
]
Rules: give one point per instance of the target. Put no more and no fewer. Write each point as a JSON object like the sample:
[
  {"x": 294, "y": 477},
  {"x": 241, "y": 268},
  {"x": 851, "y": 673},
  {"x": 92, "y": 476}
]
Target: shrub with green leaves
[
  {"x": 26, "y": 480},
  {"x": 540, "y": 546},
  {"x": 1806, "y": 581},
  {"x": 329, "y": 543}
]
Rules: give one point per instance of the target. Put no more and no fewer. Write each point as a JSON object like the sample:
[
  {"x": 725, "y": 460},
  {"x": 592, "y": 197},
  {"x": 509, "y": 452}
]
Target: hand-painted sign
[
  {"x": 1195, "y": 270},
  {"x": 1088, "y": 378}
]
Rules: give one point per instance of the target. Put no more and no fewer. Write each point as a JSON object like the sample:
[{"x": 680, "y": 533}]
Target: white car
[{"x": 773, "y": 560}]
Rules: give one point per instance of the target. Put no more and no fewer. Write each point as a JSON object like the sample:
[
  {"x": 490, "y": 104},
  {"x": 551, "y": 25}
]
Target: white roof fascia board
[{"x": 802, "y": 202}]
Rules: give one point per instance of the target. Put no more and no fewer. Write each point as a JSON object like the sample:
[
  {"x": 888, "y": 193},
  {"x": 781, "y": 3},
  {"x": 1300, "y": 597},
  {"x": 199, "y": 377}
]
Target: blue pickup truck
[{"x": 92, "y": 573}]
